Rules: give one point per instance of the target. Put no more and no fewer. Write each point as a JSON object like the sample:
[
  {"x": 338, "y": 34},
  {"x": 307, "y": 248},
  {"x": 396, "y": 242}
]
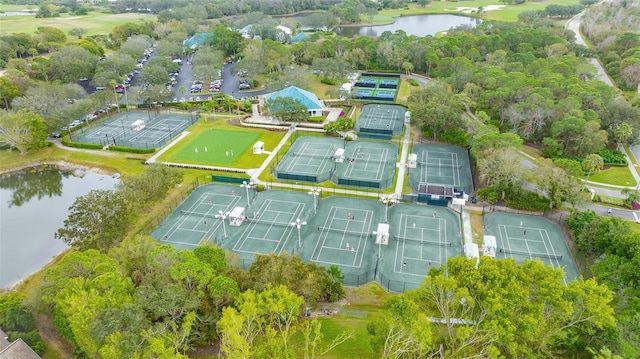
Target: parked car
[
  {"x": 100, "y": 88},
  {"x": 244, "y": 86}
]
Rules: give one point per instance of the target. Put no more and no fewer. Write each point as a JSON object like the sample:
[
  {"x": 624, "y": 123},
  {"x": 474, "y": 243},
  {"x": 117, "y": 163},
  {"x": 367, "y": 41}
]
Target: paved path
[{"x": 402, "y": 165}]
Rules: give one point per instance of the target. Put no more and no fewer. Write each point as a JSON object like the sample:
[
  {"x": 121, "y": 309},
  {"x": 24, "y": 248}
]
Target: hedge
[
  {"x": 91, "y": 146},
  {"x": 131, "y": 149},
  {"x": 612, "y": 157}
]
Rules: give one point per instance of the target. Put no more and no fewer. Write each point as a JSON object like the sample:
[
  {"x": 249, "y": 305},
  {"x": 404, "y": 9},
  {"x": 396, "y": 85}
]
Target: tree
[
  {"x": 435, "y": 109},
  {"x": 72, "y": 63},
  {"x": 22, "y": 130},
  {"x": 78, "y": 31},
  {"x": 559, "y": 186},
  {"x": 622, "y": 132},
  {"x": 592, "y": 164},
  {"x": 502, "y": 171},
  {"x": 97, "y": 220},
  {"x": 8, "y": 91},
  {"x": 287, "y": 109}
]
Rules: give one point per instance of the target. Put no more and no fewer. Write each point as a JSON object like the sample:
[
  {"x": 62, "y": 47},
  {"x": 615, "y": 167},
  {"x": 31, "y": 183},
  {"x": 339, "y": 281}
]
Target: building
[
  {"x": 306, "y": 98},
  {"x": 247, "y": 32},
  {"x": 16, "y": 350},
  {"x": 196, "y": 40}
]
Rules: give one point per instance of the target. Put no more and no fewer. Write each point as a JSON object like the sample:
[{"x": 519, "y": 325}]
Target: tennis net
[
  {"x": 423, "y": 241},
  {"x": 531, "y": 254},
  {"x": 439, "y": 164},
  {"x": 198, "y": 214},
  {"x": 316, "y": 155},
  {"x": 268, "y": 223},
  {"x": 342, "y": 231}
]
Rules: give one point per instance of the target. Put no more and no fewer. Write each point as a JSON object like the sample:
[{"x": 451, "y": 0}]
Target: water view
[
  {"x": 418, "y": 25},
  {"x": 33, "y": 204}
]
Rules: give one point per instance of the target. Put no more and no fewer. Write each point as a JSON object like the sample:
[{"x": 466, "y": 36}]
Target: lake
[
  {"x": 33, "y": 204},
  {"x": 418, "y": 25}
]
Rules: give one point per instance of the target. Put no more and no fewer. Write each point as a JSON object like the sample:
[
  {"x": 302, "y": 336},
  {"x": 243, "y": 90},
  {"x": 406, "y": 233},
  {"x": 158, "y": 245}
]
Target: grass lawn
[
  {"x": 364, "y": 305},
  {"x": 217, "y": 146},
  {"x": 619, "y": 176},
  {"x": 95, "y": 22},
  {"x": 404, "y": 91},
  {"x": 508, "y": 13},
  {"x": 219, "y": 137}
]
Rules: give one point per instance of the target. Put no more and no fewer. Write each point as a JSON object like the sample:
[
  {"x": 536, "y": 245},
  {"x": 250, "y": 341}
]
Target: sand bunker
[{"x": 469, "y": 10}]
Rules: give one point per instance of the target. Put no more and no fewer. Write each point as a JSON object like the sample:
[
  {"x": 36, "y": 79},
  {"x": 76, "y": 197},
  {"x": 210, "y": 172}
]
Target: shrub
[
  {"x": 131, "y": 149},
  {"x": 527, "y": 201},
  {"x": 413, "y": 82},
  {"x": 329, "y": 82},
  {"x": 318, "y": 119},
  {"x": 90, "y": 146},
  {"x": 613, "y": 157}
]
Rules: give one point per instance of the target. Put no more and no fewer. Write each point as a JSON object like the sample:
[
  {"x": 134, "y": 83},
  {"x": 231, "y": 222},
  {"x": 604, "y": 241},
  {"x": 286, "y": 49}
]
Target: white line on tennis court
[
  {"x": 253, "y": 233},
  {"x": 404, "y": 226},
  {"x": 337, "y": 214},
  {"x": 309, "y": 157},
  {"x": 378, "y": 162}
]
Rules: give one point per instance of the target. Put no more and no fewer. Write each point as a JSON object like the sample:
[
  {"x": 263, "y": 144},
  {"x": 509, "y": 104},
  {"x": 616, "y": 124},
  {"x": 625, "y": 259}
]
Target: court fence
[
  {"x": 582, "y": 261},
  {"x": 173, "y": 203}
]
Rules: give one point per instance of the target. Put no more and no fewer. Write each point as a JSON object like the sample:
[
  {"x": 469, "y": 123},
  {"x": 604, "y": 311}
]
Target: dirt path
[{"x": 54, "y": 341}]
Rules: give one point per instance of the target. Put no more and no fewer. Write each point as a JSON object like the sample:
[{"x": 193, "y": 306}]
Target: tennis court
[
  {"x": 268, "y": 228},
  {"x": 422, "y": 237},
  {"x": 530, "y": 237},
  {"x": 194, "y": 222},
  {"x": 380, "y": 121},
  {"x": 218, "y": 147},
  {"x": 309, "y": 159},
  {"x": 341, "y": 234},
  {"x": 441, "y": 165},
  {"x": 376, "y": 87},
  {"x": 137, "y": 129},
  {"x": 367, "y": 164}
]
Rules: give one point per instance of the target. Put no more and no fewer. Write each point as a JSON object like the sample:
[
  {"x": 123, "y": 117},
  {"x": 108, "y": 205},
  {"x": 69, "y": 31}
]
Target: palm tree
[
  {"x": 592, "y": 163},
  {"x": 182, "y": 90}
]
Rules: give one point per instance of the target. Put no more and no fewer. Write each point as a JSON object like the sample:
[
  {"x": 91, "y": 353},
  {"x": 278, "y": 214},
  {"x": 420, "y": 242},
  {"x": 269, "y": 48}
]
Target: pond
[
  {"x": 33, "y": 204},
  {"x": 418, "y": 25}
]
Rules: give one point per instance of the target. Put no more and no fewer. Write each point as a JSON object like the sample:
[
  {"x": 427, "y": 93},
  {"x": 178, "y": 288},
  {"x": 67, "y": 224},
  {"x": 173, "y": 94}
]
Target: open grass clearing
[
  {"x": 617, "y": 176},
  {"x": 246, "y": 160},
  {"x": 506, "y": 13},
  {"x": 95, "y": 22}
]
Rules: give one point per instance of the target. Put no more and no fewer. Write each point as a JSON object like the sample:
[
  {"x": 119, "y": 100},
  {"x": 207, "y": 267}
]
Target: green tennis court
[
  {"x": 215, "y": 146},
  {"x": 422, "y": 237},
  {"x": 309, "y": 159},
  {"x": 137, "y": 129},
  {"x": 383, "y": 121},
  {"x": 367, "y": 164},
  {"x": 530, "y": 237},
  {"x": 441, "y": 165},
  {"x": 194, "y": 222}
]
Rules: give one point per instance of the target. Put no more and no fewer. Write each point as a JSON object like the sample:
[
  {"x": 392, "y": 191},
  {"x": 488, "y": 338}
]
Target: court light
[
  {"x": 299, "y": 224},
  {"x": 224, "y": 216},
  {"x": 247, "y": 185},
  {"x": 315, "y": 192},
  {"x": 388, "y": 201}
]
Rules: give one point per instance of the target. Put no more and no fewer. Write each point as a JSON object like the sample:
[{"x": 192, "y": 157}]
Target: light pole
[
  {"x": 387, "y": 200},
  {"x": 224, "y": 216},
  {"x": 246, "y": 185},
  {"x": 315, "y": 192},
  {"x": 299, "y": 224}
]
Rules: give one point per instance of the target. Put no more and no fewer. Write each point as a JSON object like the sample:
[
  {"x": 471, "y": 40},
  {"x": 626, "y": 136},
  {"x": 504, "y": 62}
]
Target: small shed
[
  {"x": 237, "y": 216},
  {"x": 413, "y": 160},
  {"x": 138, "y": 125},
  {"x": 471, "y": 251},
  {"x": 407, "y": 116},
  {"x": 489, "y": 246},
  {"x": 258, "y": 148},
  {"x": 339, "y": 155},
  {"x": 382, "y": 234}
]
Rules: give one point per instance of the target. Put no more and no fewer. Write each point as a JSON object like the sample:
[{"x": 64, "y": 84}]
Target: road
[{"x": 574, "y": 25}]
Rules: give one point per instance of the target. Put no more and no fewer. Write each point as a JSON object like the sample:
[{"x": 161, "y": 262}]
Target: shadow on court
[{"x": 530, "y": 237}]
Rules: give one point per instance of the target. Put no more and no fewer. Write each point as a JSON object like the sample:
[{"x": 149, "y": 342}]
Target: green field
[
  {"x": 506, "y": 13},
  {"x": 96, "y": 22},
  {"x": 220, "y": 147}
]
